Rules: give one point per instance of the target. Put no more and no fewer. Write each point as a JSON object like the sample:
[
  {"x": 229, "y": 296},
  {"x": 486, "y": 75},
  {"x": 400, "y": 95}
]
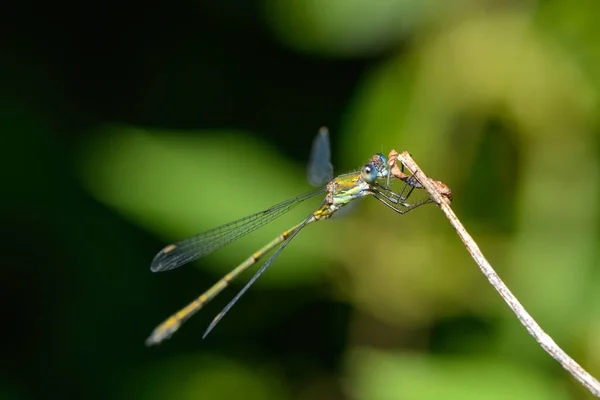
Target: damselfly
[{"x": 338, "y": 193}]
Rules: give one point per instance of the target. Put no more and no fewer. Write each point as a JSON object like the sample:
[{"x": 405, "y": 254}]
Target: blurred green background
[{"x": 129, "y": 126}]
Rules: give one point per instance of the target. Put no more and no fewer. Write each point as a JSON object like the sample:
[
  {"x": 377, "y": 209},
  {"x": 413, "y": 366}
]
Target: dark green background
[{"x": 128, "y": 126}]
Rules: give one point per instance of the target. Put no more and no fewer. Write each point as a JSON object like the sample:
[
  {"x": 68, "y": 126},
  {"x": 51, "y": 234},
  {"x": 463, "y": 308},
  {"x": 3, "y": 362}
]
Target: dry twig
[{"x": 441, "y": 195}]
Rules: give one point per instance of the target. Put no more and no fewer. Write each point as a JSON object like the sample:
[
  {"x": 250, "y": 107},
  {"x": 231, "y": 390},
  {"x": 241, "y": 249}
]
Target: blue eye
[
  {"x": 369, "y": 173},
  {"x": 383, "y": 158},
  {"x": 379, "y": 161}
]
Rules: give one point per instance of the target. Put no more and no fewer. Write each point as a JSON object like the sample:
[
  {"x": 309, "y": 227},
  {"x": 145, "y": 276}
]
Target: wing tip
[{"x": 157, "y": 263}]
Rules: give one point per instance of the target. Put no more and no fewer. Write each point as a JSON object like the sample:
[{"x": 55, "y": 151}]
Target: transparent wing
[
  {"x": 200, "y": 245},
  {"x": 320, "y": 170},
  {"x": 262, "y": 269}
]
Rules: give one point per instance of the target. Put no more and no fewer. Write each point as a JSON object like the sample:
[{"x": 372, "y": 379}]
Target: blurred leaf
[
  {"x": 378, "y": 375},
  {"x": 343, "y": 27},
  {"x": 178, "y": 184}
]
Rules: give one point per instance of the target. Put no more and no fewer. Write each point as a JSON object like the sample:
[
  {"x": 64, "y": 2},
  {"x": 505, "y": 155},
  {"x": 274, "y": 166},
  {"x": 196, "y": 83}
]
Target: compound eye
[
  {"x": 369, "y": 173},
  {"x": 383, "y": 158},
  {"x": 379, "y": 161}
]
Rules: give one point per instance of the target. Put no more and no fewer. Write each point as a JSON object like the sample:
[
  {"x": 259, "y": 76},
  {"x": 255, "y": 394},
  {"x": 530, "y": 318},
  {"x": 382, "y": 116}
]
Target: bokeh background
[{"x": 126, "y": 127}]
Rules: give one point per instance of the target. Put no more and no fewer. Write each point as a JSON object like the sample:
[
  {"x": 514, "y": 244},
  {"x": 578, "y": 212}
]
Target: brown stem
[{"x": 442, "y": 195}]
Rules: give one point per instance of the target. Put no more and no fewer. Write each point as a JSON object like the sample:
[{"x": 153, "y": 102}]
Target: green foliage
[{"x": 499, "y": 101}]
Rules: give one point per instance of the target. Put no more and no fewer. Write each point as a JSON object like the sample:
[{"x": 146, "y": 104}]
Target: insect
[{"x": 338, "y": 193}]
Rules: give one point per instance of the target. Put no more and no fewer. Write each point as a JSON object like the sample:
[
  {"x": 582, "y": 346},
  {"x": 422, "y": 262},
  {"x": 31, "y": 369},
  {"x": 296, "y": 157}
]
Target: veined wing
[
  {"x": 320, "y": 170},
  {"x": 200, "y": 245}
]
